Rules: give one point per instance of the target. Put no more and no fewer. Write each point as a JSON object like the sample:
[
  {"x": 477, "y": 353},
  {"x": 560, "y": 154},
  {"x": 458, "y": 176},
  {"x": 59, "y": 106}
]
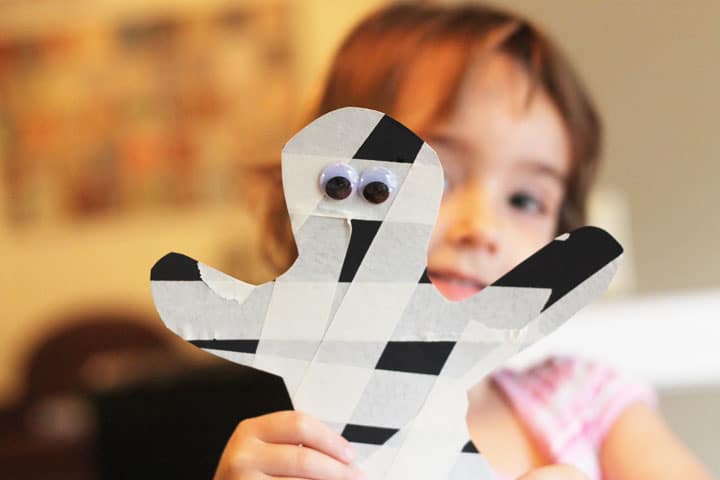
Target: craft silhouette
[{"x": 360, "y": 336}]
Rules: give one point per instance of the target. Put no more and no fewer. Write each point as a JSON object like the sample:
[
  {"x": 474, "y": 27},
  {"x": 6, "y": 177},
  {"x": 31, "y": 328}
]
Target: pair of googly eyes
[{"x": 340, "y": 180}]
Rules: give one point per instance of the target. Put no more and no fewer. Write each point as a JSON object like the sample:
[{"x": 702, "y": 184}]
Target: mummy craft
[{"x": 360, "y": 336}]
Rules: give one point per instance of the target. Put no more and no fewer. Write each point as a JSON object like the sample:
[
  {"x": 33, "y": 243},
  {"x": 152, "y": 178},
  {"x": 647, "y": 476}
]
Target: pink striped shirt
[{"x": 569, "y": 404}]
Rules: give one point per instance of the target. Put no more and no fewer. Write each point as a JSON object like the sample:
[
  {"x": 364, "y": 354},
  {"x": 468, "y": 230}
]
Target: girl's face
[{"x": 505, "y": 161}]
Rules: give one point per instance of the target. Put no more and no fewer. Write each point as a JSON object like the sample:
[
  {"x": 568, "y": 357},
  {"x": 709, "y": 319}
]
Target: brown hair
[{"x": 391, "y": 51}]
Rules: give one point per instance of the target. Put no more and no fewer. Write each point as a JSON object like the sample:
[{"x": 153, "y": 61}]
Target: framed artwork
[{"x": 143, "y": 111}]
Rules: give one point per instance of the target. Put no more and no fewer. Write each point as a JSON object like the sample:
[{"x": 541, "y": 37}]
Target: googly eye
[
  {"x": 377, "y": 184},
  {"x": 338, "y": 181}
]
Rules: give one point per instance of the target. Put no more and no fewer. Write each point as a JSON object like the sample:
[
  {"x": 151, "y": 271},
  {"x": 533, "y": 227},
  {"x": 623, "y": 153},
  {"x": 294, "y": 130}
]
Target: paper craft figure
[{"x": 360, "y": 336}]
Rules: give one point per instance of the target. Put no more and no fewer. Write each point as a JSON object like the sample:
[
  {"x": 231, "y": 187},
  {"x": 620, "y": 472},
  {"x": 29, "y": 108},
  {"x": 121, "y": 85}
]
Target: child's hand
[
  {"x": 269, "y": 447},
  {"x": 555, "y": 472}
]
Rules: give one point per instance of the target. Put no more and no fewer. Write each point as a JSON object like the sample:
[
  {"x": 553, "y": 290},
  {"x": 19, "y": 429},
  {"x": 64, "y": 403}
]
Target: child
[{"x": 519, "y": 141}]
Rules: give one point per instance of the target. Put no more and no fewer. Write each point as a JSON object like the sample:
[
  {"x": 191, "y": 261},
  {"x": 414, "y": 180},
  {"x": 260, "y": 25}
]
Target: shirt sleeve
[
  {"x": 616, "y": 392},
  {"x": 568, "y": 401}
]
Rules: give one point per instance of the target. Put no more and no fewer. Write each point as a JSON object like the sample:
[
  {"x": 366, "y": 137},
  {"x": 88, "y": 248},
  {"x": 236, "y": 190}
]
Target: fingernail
[
  {"x": 349, "y": 453},
  {"x": 358, "y": 474}
]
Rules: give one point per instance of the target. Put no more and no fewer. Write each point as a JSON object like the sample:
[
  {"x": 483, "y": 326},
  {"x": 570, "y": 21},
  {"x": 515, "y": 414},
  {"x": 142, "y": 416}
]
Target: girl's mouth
[{"x": 454, "y": 286}]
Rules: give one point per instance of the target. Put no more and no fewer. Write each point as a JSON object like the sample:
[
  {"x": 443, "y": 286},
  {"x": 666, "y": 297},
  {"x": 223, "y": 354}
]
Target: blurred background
[{"x": 129, "y": 129}]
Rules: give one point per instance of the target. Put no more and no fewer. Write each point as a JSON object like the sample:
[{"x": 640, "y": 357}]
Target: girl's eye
[
  {"x": 338, "y": 181},
  {"x": 526, "y": 202}
]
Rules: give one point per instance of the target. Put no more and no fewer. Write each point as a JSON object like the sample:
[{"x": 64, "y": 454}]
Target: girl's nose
[{"x": 474, "y": 223}]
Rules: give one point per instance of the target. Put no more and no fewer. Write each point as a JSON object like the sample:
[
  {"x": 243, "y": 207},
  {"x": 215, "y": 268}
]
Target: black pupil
[
  {"x": 376, "y": 192},
  {"x": 338, "y": 188}
]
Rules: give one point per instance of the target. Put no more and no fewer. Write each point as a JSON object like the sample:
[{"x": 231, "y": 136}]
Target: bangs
[
  {"x": 427, "y": 84},
  {"x": 532, "y": 51}
]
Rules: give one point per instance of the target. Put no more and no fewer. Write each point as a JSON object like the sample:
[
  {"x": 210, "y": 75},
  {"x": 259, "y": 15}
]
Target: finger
[
  {"x": 301, "y": 429},
  {"x": 268, "y": 477},
  {"x": 303, "y": 462},
  {"x": 554, "y": 472}
]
